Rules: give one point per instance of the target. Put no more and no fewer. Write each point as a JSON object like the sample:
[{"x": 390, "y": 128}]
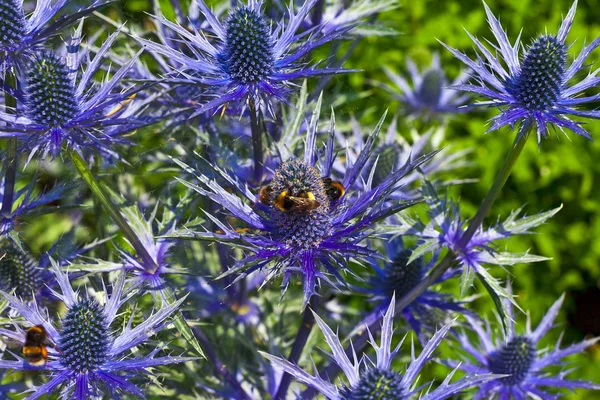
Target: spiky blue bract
[
  {"x": 315, "y": 244},
  {"x": 536, "y": 87},
  {"x": 517, "y": 355},
  {"x": 377, "y": 380},
  {"x": 248, "y": 62},
  {"x": 21, "y": 34},
  {"x": 428, "y": 96},
  {"x": 62, "y": 105},
  {"x": 398, "y": 277},
  {"x": 90, "y": 359}
]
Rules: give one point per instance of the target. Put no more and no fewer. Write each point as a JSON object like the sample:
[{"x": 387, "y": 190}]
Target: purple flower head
[
  {"x": 535, "y": 88},
  {"x": 516, "y": 355},
  {"x": 428, "y": 96},
  {"x": 398, "y": 277},
  {"x": 376, "y": 380},
  {"x": 446, "y": 227},
  {"x": 303, "y": 222},
  {"x": 62, "y": 105},
  {"x": 21, "y": 34},
  {"x": 87, "y": 358},
  {"x": 248, "y": 62}
]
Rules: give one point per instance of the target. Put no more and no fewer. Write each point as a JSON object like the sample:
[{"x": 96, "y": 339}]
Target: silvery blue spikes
[
  {"x": 537, "y": 88},
  {"x": 49, "y": 90},
  {"x": 86, "y": 358},
  {"x": 314, "y": 243},
  {"x": 18, "y": 271},
  {"x": 376, "y": 380},
  {"x": 64, "y": 106},
  {"x": 84, "y": 339},
  {"x": 12, "y": 23},
  {"x": 248, "y": 62},
  {"x": 517, "y": 356}
]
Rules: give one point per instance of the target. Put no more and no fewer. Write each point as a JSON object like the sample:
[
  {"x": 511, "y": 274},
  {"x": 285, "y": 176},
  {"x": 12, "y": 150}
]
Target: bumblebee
[
  {"x": 334, "y": 189},
  {"x": 264, "y": 195},
  {"x": 34, "y": 349},
  {"x": 305, "y": 202}
]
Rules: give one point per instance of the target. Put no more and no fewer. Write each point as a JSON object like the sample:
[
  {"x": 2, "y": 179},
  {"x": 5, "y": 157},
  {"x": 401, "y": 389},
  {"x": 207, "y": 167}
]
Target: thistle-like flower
[
  {"x": 21, "y": 34},
  {"x": 517, "y": 357},
  {"x": 304, "y": 219},
  {"x": 398, "y": 277},
  {"x": 18, "y": 270},
  {"x": 247, "y": 63},
  {"x": 377, "y": 380},
  {"x": 429, "y": 95},
  {"x": 537, "y": 88},
  {"x": 61, "y": 105},
  {"x": 85, "y": 357}
]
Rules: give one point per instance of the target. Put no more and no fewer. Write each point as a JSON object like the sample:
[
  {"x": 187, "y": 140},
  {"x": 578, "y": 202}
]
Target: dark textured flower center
[
  {"x": 387, "y": 157},
  {"x": 300, "y": 206},
  {"x": 18, "y": 271},
  {"x": 539, "y": 84},
  {"x": 84, "y": 340},
  {"x": 430, "y": 89},
  {"x": 514, "y": 358},
  {"x": 376, "y": 384},
  {"x": 12, "y": 22},
  {"x": 51, "y": 99},
  {"x": 248, "y": 52},
  {"x": 401, "y": 277}
]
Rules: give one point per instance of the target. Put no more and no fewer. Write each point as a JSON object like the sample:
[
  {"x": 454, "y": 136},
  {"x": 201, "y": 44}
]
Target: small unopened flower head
[
  {"x": 49, "y": 90},
  {"x": 84, "y": 340},
  {"x": 248, "y": 52},
  {"x": 12, "y": 22},
  {"x": 537, "y": 88},
  {"x": 401, "y": 276},
  {"x": 18, "y": 270},
  {"x": 514, "y": 358},
  {"x": 299, "y": 228},
  {"x": 388, "y": 157}
]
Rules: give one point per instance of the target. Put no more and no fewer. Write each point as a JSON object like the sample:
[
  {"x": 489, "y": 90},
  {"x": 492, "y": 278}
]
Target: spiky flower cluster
[
  {"x": 18, "y": 270},
  {"x": 12, "y": 23}
]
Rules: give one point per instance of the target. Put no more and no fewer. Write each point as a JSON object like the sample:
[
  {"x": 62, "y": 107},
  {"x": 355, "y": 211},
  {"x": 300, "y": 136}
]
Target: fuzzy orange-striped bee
[{"x": 34, "y": 349}]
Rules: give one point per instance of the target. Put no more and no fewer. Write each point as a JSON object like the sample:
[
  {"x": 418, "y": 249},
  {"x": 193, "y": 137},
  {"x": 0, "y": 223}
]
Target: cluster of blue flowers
[{"x": 174, "y": 294}]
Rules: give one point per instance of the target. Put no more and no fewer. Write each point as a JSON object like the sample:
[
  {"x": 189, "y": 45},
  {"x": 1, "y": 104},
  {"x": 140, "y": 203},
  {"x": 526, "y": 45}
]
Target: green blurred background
[{"x": 560, "y": 171}]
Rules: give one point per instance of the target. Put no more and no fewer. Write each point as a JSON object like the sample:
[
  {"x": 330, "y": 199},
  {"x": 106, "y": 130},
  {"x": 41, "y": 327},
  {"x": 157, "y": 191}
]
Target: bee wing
[{"x": 304, "y": 203}]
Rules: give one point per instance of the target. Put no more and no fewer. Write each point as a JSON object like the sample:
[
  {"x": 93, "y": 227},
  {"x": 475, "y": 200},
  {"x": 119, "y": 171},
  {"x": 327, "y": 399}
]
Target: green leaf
[{"x": 179, "y": 321}]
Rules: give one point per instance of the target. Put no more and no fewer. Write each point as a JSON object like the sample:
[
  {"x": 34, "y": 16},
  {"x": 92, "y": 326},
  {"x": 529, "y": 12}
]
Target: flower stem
[
  {"x": 257, "y": 144},
  {"x": 10, "y": 104},
  {"x": 332, "y": 370},
  {"x": 308, "y": 321},
  {"x": 111, "y": 208}
]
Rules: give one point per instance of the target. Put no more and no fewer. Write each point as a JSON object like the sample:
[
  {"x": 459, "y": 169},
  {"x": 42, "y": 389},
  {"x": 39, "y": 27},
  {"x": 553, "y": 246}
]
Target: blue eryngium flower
[
  {"x": 89, "y": 358},
  {"x": 378, "y": 380},
  {"x": 429, "y": 95},
  {"x": 60, "y": 104},
  {"x": 21, "y": 34},
  {"x": 248, "y": 62},
  {"x": 533, "y": 89},
  {"x": 299, "y": 239},
  {"x": 516, "y": 355}
]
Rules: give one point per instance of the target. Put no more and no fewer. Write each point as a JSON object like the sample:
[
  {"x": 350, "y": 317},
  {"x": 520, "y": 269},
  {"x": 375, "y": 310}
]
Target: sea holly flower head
[
  {"x": 376, "y": 380},
  {"x": 517, "y": 357},
  {"x": 398, "y": 277},
  {"x": 248, "y": 63},
  {"x": 537, "y": 87},
  {"x": 64, "y": 106},
  {"x": 21, "y": 34},
  {"x": 86, "y": 357},
  {"x": 305, "y": 221},
  {"x": 428, "y": 94},
  {"x": 18, "y": 270}
]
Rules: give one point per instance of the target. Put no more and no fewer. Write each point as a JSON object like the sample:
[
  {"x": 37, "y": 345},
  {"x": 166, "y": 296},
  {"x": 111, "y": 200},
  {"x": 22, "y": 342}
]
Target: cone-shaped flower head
[
  {"x": 21, "y": 34},
  {"x": 517, "y": 356},
  {"x": 18, "y": 270},
  {"x": 304, "y": 221},
  {"x": 377, "y": 380},
  {"x": 248, "y": 62},
  {"x": 62, "y": 105},
  {"x": 86, "y": 357},
  {"x": 538, "y": 87}
]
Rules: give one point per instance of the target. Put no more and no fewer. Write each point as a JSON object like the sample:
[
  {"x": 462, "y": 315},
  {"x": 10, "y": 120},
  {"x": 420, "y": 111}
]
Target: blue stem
[
  {"x": 257, "y": 144},
  {"x": 11, "y": 153}
]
